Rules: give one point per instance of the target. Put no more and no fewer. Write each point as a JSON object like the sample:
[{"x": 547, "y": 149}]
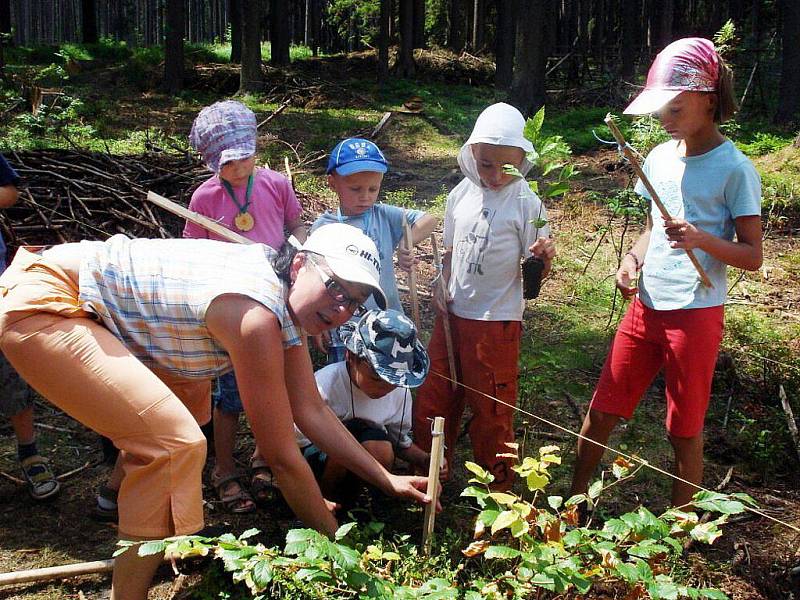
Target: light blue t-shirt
[
  {"x": 383, "y": 224},
  {"x": 710, "y": 191}
]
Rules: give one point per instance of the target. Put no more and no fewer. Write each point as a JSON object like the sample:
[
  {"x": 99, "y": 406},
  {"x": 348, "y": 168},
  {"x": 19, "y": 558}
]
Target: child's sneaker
[
  {"x": 42, "y": 483},
  {"x": 105, "y": 508}
]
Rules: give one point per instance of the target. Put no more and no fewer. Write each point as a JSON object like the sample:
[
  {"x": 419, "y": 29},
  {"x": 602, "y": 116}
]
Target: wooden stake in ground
[
  {"x": 437, "y": 455},
  {"x": 408, "y": 244},
  {"x": 197, "y": 219},
  {"x": 448, "y": 336},
  {"x": 629, "y": 154}
]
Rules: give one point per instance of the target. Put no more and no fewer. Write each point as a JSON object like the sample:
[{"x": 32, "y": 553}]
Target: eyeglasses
[{"x": 337, "y": 293}]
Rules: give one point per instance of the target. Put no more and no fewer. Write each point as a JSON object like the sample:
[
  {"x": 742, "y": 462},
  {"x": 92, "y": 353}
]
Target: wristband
[{"x": 635, "y": 259}]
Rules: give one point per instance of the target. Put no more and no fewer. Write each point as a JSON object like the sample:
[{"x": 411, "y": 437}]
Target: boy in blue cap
[
  {"x": 369, "y": 392},
  {"x": 355, "y": 172}
]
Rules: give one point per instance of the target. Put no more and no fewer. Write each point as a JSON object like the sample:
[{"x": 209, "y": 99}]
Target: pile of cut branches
[{"x": 70, "y": 195}]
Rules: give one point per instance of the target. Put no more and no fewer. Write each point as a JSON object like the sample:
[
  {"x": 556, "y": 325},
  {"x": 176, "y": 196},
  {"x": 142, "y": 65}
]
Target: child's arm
[
  {"x": 8, "y": 195},
  {"x": 298, "y": 229},
  {"x": 421, "y": 459},
  {"x": 441, "y": 303},
  {"x": 632, "y": 262},
  {"x": 744, "y": 253},
  {"x": 420, "y": 230}
]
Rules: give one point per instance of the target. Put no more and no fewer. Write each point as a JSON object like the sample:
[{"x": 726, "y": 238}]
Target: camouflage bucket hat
[{"x": 388, "y": 340}]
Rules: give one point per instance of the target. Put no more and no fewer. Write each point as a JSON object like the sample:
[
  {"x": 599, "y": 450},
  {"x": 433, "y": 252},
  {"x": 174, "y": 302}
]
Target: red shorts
[{"x": 684, "y": 342}]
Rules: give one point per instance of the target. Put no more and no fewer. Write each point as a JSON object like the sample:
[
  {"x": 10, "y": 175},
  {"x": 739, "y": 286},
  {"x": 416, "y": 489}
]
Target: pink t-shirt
[{"x": 273, "y": 205}]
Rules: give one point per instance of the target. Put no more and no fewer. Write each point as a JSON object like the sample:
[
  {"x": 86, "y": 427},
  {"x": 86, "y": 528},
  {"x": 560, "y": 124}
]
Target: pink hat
[{"x": 686, "y": 65}]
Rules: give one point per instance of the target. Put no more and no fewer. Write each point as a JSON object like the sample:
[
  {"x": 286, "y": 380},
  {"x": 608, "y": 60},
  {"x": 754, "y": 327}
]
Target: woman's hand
[
  {"x": 626, "y": 277},
  {"x": 412, "y": 487},
  {"x": 682, "y": 234}
]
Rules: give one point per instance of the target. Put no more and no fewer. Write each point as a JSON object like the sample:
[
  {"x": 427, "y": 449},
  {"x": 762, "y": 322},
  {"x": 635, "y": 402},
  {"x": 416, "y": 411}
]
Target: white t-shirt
[
  {"x": 489, "y": 232},
  {"x": 709, "y": 190},
  {"x": 391, "y": 412}
]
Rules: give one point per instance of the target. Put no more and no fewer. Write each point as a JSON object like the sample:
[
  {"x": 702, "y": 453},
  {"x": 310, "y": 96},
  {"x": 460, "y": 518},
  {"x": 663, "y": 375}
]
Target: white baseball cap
[{"x": 351, "y": 255}]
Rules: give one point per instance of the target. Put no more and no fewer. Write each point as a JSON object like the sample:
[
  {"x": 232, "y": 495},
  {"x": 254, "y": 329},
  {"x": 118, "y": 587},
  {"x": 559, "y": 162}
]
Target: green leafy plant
[
  {"x": 525, "y": 545},
  {"x": 549, "y": 160},
  {"x": 539, "y": 543}
]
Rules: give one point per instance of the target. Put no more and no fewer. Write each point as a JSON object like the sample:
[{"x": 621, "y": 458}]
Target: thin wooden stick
[
  {"x": 434, "y": 487},
  {"x": 59, "y": 572},
  {"x": 197, "y": 219},
  {"x": 448, "y": 336},
  {"x": 381, "y": 124},
  {"x": 790, "y": 422},
  {"x": 289, "y": 174},
  {"x": 408, "y": 243},
  {"x": 629, "y": 154}
]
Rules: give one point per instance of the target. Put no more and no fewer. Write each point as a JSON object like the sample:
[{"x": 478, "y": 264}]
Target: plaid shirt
[{"x": 153, "y": 295}]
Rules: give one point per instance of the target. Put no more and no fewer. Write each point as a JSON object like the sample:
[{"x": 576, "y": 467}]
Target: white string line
[{"x": 629, "y": 457}]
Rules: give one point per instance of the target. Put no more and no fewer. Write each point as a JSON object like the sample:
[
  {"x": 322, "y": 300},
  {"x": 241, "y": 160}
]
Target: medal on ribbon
[{"x": 244, "y": 221}]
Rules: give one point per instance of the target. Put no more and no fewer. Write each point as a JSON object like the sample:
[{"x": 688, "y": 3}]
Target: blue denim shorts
[
  {"x": 15, "y": 395},
  {"x": 225, "y": 395}
]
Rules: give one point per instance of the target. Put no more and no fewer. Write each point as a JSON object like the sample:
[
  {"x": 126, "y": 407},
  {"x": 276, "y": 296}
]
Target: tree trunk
[
  {"x": 665, "y": 34},
  {"x": 789, "y": 99},
  {"x": 419, "y": 24},
  {"x": 407, "y": 67},
  {"x": 383, "y": 40},
  {"x": 173, "y": 49},
  {"x": 251, "y": 78},
  {"x": 455, "y": 21},
  {"x": 528, "y": 86},
  {"x": 89, "y": 21},
  {"x": 279, "y": 33},
  {"x": 5, "y": 16},
  {"x": 504, "y": 45},
  {"x": 478, "y": 9},
  {"x": 235, "y": 19},
  {"x": 631, "y": 37}
]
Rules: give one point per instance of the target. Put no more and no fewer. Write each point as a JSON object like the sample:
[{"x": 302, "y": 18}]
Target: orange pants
[
  {"x": 486, "y": 356},
  {"x": 78, "y": 365}
]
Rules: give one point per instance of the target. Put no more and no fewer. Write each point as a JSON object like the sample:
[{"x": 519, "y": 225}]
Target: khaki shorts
[{"x": 71, "y": 359}]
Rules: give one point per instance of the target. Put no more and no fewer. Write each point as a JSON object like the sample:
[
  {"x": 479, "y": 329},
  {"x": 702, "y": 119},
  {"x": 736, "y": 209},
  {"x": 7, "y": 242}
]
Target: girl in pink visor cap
[{"x": 675, "y": 323}]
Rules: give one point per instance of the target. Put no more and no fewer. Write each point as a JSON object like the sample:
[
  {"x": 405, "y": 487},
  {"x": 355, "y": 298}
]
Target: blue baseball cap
[{"x": 355, "y": 155}]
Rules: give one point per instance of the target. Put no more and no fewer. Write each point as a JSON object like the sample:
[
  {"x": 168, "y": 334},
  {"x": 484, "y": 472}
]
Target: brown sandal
[
  {"x": 263, "y": 485},
  {"x": 233, "y": 495}
]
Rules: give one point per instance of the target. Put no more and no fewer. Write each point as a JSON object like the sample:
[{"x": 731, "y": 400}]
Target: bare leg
[
  {"x": 596, "y": 426},
  {"x": 133, "y": 574},
  {"x": 225, "y": 426},
  {"x": 22, "y": 422},
  {"x": 688, "y": 465},
  {"x": 331, "y": 482}
]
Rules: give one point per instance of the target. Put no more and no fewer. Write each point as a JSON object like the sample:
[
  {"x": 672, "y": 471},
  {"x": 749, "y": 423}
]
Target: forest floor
[{"x": 566, "y": 335}]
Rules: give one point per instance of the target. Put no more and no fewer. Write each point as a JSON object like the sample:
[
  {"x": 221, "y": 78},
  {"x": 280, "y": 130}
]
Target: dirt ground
[{"x": 752, "y": 560}]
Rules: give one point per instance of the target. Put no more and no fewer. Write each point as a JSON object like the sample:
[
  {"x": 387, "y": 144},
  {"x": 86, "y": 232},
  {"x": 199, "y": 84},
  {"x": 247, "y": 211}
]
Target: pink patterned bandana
[
  {"x": 223, "y": 132},
  {"x": 686, "y": 65}
]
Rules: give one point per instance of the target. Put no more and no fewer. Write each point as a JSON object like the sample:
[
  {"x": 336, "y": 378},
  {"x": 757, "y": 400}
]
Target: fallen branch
[{"x": 790, "y": 422}]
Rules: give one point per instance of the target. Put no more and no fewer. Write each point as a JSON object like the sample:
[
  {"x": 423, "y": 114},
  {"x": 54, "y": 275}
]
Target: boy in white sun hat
[{"x": 492, "y": 221}]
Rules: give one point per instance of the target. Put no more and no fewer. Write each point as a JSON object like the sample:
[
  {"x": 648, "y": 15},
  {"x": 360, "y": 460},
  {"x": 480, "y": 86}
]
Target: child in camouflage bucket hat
[{"x": 369, "y": 392}]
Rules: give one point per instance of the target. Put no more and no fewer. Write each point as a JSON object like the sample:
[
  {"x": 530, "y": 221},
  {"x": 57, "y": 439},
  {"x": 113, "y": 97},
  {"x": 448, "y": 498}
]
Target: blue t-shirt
[
  {"x": 8, "y": 176},
  {"x": 383, "y": 223},
  {"x": 710, "y": 191}
]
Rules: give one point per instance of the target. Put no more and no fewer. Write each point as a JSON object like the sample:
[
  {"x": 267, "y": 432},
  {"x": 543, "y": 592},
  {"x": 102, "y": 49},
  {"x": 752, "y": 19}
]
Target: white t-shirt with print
[{"x": 489, "y": 233}]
